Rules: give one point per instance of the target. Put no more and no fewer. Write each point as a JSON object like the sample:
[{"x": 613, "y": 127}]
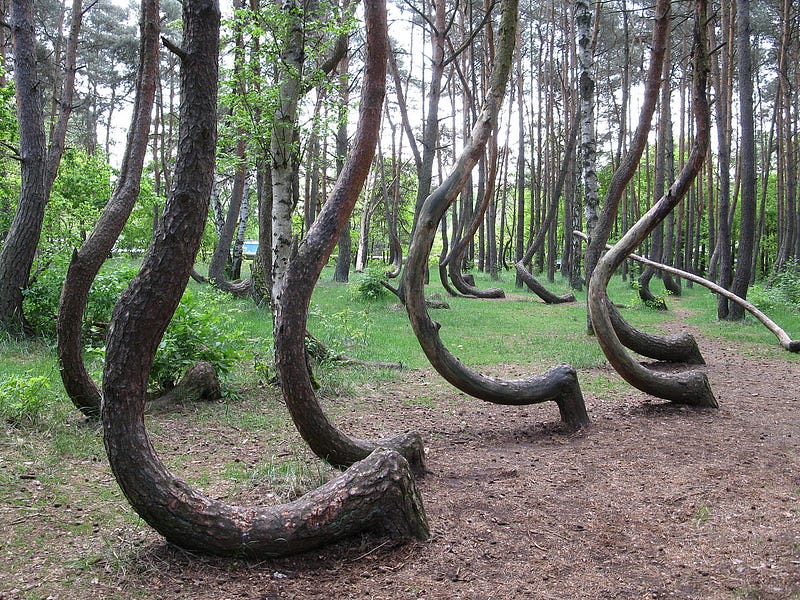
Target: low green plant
[
  {"x": 782, "y": 290},
  {"x": 42, "y": 296},
  {"x": 201, "y": 329},
  {"x": 23, "y": 397},
  {"x": 368, "y": 286}
]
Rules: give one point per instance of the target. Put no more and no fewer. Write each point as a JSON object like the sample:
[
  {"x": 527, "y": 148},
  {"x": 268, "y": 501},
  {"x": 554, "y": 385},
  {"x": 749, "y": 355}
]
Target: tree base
[{"x": 199, "y": 383}]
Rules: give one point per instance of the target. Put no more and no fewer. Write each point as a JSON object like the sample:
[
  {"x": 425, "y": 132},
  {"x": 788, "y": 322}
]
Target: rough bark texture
[
  {"x": 19, "y": 246},
  {"x": 559, "y": 384},
  {"x": 690, "y": 387},
  {"x": 87, "y": 260},
  {"x": 291, "y": 310},
  {"x": 377, "y": 494},
  {"x": 747, "y": 160}
]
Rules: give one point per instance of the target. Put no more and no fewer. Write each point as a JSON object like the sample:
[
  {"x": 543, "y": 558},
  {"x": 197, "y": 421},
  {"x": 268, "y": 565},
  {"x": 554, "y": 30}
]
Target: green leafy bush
[
  {"x": 783, "y": 290},
  {"x": 200, "y": 330},
  {"x": 23, "y": 397},
  {"x": 368, "y": 286},
  {"x": 41, "y": 298}
]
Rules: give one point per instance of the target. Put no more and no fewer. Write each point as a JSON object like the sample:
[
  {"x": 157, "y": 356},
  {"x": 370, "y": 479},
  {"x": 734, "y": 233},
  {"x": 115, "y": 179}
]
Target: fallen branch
[{"x": 786, "y": 342}]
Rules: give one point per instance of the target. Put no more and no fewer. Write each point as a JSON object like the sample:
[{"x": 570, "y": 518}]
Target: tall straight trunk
[
  {"x": 747, "y": 161},
  {"x": 283, "y": 147},
  {"x": 430, "y": 133},
  {"x": 721, "y": 77},
  {"x": 588, "y": 142},
  {"x": 519, "y": 242},
  {"x": 341, "y": 272},
  {"x": 38, "y": 160}
]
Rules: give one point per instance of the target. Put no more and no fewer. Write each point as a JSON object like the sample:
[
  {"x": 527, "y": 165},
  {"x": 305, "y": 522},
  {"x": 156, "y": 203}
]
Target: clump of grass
[{"x": 23, "y": 398}]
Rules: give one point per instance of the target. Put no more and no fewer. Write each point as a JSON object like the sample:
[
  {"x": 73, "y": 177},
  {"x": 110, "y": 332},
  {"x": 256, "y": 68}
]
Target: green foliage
[
  {"x": 80, "y": 191},
  {"x": 783, "y": 290},
  {"x": 201, "y": 329},
  {"x": 23, "y": 397},
  {"x": 342, "y": 329},
  {"x": 41, "y": 297},
  {"x": 138, "y": 231},
  {"x": 367, "y": 286},
  {"x": 9, "y": 168}
]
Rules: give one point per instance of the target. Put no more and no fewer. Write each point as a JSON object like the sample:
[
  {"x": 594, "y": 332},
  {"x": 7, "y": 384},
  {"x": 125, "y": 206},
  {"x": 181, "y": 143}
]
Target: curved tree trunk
[
  {"x": 559, "y": 384},
  {"x": 786, "y": 342},
  {"x": 87, "y": 260},
  {"x": 627, "y": 168},
  {"x": 291, "y": 310},
  {"x": 377, "y": 494},
  {"x": 690, "y": 387},
  {"x": 677, "y": 348},
  {"x": 550, "y": 217},
  {"x": 463, "y": 286}
]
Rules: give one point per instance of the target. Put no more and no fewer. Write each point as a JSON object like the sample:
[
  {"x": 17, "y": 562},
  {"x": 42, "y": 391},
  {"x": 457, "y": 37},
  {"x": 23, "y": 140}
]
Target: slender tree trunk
[
  {"x": 342, "y": 271},
  {"x": 39, "y": 165},
  {"x": 747, "y": 161},
  {"x": 284, "y": 152},
  {"x": 87, "y": 260},
  {"x": 723, "y": 119}
]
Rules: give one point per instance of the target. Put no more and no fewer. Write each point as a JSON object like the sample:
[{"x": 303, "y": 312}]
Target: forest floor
[{"x": 651, "y": 500}]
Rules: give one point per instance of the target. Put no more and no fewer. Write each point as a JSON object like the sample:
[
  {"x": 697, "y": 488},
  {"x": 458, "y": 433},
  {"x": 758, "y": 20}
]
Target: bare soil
[{"x": 651, "y": 501}]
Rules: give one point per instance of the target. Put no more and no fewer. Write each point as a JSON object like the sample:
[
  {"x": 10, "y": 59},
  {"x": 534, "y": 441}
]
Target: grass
[{"x": 483, "y": 333}]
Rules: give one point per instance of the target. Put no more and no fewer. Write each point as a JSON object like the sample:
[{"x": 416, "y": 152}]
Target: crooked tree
[{"x": 376, "y": 494}]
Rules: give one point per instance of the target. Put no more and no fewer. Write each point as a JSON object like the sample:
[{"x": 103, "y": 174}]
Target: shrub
[
  {"x": 41, "y": 297},
  {"x": 368, "y": 285},
  {"x": 23, "y": 397},
  {"x": 783, "y": 289},
  {"x": 199, "y": 330}
]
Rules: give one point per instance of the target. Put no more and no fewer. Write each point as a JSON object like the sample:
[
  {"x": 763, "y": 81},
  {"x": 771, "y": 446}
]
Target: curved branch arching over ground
[
  {"x": 291, "y": 311},
  {"x": 786, "y": 342},
  {"x": 87, "y": 260},
  {"x": 560, "y": 383},
  {"x": 676, "y": 348},
  {"x": 377, "y": 494},
  {"x": 691, "y": 387}
]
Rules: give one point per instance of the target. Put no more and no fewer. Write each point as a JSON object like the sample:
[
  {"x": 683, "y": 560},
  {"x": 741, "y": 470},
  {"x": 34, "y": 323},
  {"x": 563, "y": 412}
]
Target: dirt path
[{"x": 650, "y": 501}]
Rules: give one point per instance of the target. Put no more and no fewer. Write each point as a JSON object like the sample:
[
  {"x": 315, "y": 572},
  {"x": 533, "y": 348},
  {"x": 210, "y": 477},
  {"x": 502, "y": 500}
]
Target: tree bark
[
  {"x": 87, "y": 260},
  {"x": 378, "y": 494},
  {"x": 560, "y": 384},
  {"x": 341, "y": 272},
  {"x": 747, "y": 164},
  {"x": 627, "y": 168},
  {"x": 690, "y": 387},
  {"x": 291, "y": 310},
  {"x": 38, "y": 163}
]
